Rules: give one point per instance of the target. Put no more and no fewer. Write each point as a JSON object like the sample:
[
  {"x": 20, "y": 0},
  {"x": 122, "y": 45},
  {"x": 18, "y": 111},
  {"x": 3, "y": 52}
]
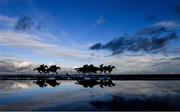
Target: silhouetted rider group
[
  {"x": 93, "y": 69},
  {"x": 44, "y": 69}
]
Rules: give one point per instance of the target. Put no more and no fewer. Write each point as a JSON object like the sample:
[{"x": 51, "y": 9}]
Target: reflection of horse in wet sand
[
  {"x": 87, "y": 83},
  {"x": 52, "y": 83},
  {"x": 41, "y": 69},
  {"x": 41, "y": 82},
  {"x": 44, "y": 82},
  {"x": 106, "y": 83},
  {"x": 91, "y": 83}
]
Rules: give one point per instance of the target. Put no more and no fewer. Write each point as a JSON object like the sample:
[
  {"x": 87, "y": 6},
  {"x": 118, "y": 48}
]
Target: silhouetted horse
[
  {"x": 110, "y": 68},
  {"x": 41, "y": 69},
  {"x": 87, "y": 69},
  {"x": 52, "y": 69},
  {"x": 82, "y": 70},
  {"x": 79, "y": 70},
  {"x": 101, "y": 69},
  {"x": 92, "y": 69}
]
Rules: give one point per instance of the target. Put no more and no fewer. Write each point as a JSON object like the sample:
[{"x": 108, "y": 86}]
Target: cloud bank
[{"x": 155, "y": 37}]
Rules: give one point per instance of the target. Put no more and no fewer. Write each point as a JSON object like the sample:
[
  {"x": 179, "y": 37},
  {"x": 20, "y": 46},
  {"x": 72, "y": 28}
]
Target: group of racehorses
[
  {"x": 93, "y": 69},
  {"x": 44, "y": 69}
]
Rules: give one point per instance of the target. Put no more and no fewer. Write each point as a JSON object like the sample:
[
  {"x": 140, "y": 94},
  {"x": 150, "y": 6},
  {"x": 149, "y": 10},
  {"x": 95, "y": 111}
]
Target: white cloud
[
  {"x": 23, "y": 64},
  {"x": 149, "y": 63},
  {"x": 168, "y": 24},
  {"x": 101, "y": 20},
  {"x": 7, "y": 20},
  {"x": 30, "y": 42}
]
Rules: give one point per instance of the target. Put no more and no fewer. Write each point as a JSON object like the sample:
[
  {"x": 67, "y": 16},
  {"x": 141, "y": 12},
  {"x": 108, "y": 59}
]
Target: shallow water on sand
[{"x": 73, "y": 95}]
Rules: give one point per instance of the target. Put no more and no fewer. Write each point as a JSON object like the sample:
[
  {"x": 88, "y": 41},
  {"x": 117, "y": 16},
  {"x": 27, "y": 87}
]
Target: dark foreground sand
[{"x": 94, "y": 77}]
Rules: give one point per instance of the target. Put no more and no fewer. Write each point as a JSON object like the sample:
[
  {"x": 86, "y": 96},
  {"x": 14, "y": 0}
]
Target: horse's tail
[{"x": 76, "y": 69}]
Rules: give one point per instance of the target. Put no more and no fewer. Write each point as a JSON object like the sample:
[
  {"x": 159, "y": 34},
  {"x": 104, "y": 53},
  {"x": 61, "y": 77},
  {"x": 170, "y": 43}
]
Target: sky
[{"x": 137, "y": 36}]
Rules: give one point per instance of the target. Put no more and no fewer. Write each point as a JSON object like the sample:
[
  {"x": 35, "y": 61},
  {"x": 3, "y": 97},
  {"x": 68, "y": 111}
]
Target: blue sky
[{"x": 62, "y": 32}]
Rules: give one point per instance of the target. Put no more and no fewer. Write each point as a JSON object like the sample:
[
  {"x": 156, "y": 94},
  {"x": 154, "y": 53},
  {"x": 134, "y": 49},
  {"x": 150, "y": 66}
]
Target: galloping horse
[
  {"x": 52, "y": 69},
  {"x": 110, "y": 68},
  {"x": 41, "y": 69}
]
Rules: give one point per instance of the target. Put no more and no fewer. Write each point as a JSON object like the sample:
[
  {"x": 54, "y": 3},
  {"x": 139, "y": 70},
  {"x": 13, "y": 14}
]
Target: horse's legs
[
  {"x": 105, "y": 71},
  {"x": 110, "y": 72},
  {"x": 39, "y": 72}
]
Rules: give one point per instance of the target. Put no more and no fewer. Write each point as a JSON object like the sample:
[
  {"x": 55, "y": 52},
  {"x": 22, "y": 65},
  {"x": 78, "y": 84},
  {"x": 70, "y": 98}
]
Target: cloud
[
  {"x": 35, "y": 45},
  {"x": 167, "y": 24},
  {"x": 154, "y": 38},
  {"x": 24, "y": 23},
  {"x": 14, "y": 65},
  {"x": 177, "y": 10},
  {"x": 150, "y": 18},
  {"x": 7, "y": 20},
  {"x": 96, "y": 46},
  {"x": 156, "y": 30},
  {"x": 142, "y": 64},
  {"x": 101, "y": 20},
  {"x": 122, "y": 44}
]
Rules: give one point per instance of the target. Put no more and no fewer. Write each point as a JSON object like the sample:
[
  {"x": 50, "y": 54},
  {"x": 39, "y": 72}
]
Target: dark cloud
[
  {"x": 96, "y": 46},
  {"x": 177, "y": 10},
  {"x": 149, "y": 39},
  {"x": 150, "y": 18},
  {"x": 42, "y": 23},
  {"x": 152, "y": 31},
  {"x": 24, "y": 23},
  {"x": 12, "y": 66}
]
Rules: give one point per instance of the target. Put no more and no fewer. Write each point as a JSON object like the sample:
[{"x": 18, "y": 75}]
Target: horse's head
[
  {"x": 45, "y": 66},
  {"x": 101, "y": 65},
  {"x": 58, "y": 67},
  {"x": 113, "y": 67}
]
